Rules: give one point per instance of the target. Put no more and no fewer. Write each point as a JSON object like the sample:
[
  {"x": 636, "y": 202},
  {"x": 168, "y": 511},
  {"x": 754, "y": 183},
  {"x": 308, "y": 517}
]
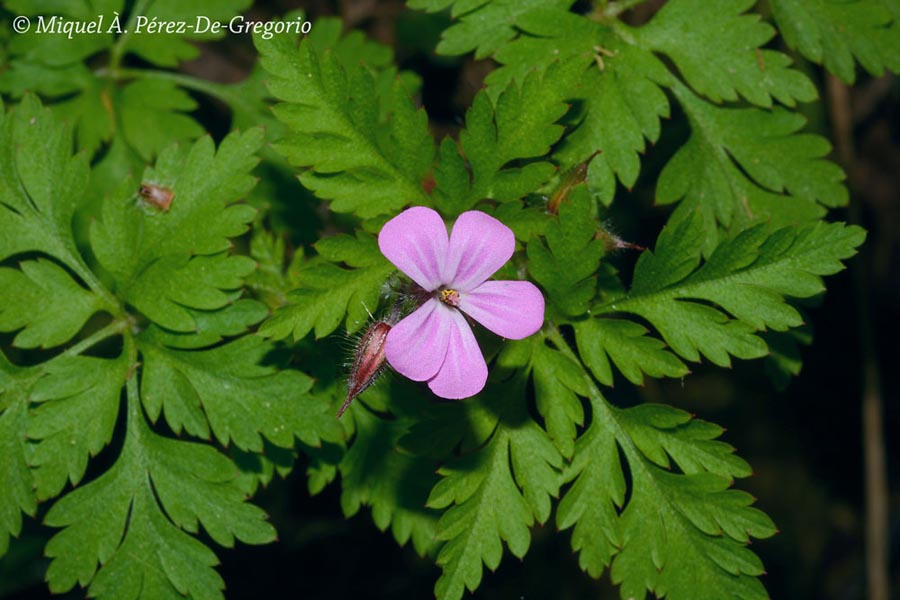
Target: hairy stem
[{"x": 877, "y": 519}]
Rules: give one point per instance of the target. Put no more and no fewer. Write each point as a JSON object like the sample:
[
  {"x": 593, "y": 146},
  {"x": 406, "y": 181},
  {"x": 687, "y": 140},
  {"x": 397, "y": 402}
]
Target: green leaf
[
  {"x": 566, "y": 264},
  {"x": 623, "y": 106},
  {"x": 167, "y": 49},
  {"x": 226, "y": 390},
  {"x": 619, "y": 91},
  {"x": 77, "y": 401},
  {"x": 717, "y": 49},
  {"x": 496, "y": 493},
  {"x": 166, "y": 262},
  {"x": 351, "y": 47},
  {"x": 131, "y": 521},
  {"x": 17, "y": 495},
  {"x": 349, "y": 155},
  {"x": 835, "y": 32},
  {"x": 45, "y": 303},
  {"x": 328, "y": 294},
  {"x": 484, "y": 25},
  {"x": 152, "y": 115},
  {"x": 660, "y": 431},
  {"x": 489, "y": 509},
  {"x": 90, "y": 113},
  {"x": 393, "y": 483},
  {"x": 621, "y": 100},
  {"x": 678, "y": 532},
  {"x": 40, "y": 184},
  {"x": 148, "y": 112},
  {"x": 214, "y": 326},
  {"x": 603, "y": 342},
  {"x": 591, "y": 504},
  {"x": 746, "y": 165},
  {"x": 683, "y": 533},
  {"x": 166, "y": 288},
  {"x": 519, "y": 125},
  {"x": 268, "y": 282},
  {"x": 717, "y": 309},
  {"x": 526, "y": 221},
  {"x": 557, "y": 384}
]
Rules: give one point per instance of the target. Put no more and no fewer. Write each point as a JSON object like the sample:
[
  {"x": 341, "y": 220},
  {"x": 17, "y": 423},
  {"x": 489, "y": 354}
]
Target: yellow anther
[{"x": 450, "y": 297}]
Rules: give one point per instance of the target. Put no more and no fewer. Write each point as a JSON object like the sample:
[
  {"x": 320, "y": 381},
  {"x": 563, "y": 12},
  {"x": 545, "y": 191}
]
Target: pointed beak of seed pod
[{"x": 368, "y": 362}]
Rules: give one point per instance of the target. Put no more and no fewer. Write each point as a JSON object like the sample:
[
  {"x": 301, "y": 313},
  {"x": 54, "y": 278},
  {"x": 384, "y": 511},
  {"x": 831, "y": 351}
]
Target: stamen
[{"x": 450, "y": 297}]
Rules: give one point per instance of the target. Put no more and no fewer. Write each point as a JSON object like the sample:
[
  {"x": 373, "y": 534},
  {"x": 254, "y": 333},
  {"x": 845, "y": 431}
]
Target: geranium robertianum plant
[{"x": 131, "y": 315}]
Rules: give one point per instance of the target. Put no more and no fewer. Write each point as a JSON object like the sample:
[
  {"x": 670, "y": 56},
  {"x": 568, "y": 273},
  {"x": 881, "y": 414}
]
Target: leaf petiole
[
  {"x": 118, "y": 49},
  {"x": 210, "y": 88},
  {"x": 118, "y": 326}
]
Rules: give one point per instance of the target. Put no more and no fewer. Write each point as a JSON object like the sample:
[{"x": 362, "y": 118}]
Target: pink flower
[{"x": 435, "y": 343}]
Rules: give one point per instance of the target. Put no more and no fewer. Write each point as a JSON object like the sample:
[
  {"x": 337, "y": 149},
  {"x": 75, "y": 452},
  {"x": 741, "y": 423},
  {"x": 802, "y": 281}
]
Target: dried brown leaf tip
[
  {"x": 157, "y": 195},
  {"x": 571, "y": 178}
]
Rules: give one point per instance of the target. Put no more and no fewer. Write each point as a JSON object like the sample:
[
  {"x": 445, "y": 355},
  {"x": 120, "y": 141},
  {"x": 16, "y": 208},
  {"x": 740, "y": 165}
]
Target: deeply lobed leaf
[
  {"x": 348, "y": 153},
  {"x": 165, "y": 262},
  {"x": 328, "y": 294},
  {"x": 717, "y": 308},
  {"x": 834, "y": 33}
]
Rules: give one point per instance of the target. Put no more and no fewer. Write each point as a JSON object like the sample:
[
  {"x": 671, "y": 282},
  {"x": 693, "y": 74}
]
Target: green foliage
[
  {"x": 328, "y": 294},
  {"x": 46, "y": 304},
  {"x": 618, "y": 89},
  {"x": 119, "y": 521},
  {"x": 678, "y": 532},
  {"x": 18, "y": 497},
  {"x": 722, "y": 66},
  {"x": 145, "y": 114},
  {"x": 833, "y": 33},
  {"x": 603, "y": 342},
  {"x": 623, "y": 101},
  {"x": 362, "y": 160},
  {"x": 519, "y": 125},
  {"x": 168, "y": 286},
  {"x": 225, "y": 390},
  {"x": 490, "y": 509},
  {"x": 566, "y": 264},
  {"x": 484, "y": 25},
  {"x": 742, "y": 166},
  {"x": 716, "y": 309},
  {"x": 394, "y": 483},
  {"x": 493, "y": 495},
  {"x": 165, "y": 262}
]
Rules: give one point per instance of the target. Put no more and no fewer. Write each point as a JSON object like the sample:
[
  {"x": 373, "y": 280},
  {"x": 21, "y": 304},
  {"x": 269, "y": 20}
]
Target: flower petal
[
  {"x": 464, "y": 371},
  {"x": 416, "y": 242},
  {"x": 511, "y": 309},
  {"x": 479, "y": 245},
  {"x": 416, "y": 346}
]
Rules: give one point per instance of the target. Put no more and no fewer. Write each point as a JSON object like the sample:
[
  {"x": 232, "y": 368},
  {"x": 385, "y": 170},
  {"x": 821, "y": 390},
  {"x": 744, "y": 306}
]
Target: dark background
[{"x": 804, "y": 442}]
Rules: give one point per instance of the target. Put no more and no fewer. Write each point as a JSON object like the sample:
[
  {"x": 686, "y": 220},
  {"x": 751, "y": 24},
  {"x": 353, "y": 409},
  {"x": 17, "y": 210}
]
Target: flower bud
[{"x": 368, "y": 361}]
